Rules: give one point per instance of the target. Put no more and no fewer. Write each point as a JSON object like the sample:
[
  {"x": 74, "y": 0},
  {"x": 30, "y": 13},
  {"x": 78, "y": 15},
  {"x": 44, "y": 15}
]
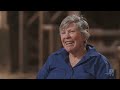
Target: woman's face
[{"x": 71, "y": 38}]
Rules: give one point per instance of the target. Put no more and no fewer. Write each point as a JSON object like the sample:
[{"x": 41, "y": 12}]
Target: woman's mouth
[{"x": 69, "y": 43}]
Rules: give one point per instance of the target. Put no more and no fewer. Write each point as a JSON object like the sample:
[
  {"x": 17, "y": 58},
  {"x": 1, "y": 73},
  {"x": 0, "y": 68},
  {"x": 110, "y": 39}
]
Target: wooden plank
[
  {"x": 32, "y": 19},
  {"x": 40, "y": 39},
  {"x": 21, "y": 67},
  {"x": 102, "y": 32},
  {"x": 55, "y": 16},
  {"x": 3, "y": 20}
]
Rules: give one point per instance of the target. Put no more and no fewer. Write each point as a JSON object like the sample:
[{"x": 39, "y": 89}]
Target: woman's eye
[
  {"x": 62, "y": 32},
  {"x": 72, "y": 31}
]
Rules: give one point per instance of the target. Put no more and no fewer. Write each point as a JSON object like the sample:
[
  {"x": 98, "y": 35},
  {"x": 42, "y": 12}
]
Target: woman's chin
[{"x": 69, "y": 49}]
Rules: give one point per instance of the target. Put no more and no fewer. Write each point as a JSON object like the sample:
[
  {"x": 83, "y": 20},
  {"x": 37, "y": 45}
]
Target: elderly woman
[{"x": 77, "y": 60}]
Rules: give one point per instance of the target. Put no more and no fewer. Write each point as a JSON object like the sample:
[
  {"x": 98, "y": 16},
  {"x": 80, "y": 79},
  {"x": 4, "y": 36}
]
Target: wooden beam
[
  {"x": 32, "y": 19},
  {"x": 40, "y": 38},
  {"x": 21, "y": 67},
  {"x": 48, "y": 27},
  {"x": 55, "y": 16},
  {"x": 101, "y": 32},
  {"x": 3, "y": 20}
]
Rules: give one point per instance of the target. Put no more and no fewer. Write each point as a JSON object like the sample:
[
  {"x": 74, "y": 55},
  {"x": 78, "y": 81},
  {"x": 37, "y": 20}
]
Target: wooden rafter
[{"x": 56, "y": 15}]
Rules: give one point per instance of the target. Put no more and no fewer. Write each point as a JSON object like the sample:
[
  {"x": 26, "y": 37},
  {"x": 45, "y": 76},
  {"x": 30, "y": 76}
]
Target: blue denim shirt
[{"x": 93, "y": 65}]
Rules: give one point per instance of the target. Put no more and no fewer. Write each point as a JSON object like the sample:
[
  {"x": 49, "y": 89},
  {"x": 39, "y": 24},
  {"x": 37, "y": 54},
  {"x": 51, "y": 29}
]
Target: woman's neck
[
  {"x": 75, "y": 57},
  {"x": 78, "y": 53}
]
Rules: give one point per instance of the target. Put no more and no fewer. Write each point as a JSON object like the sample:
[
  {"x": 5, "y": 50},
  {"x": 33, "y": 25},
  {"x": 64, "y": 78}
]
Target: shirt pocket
[{"x": 57, "y": 73}]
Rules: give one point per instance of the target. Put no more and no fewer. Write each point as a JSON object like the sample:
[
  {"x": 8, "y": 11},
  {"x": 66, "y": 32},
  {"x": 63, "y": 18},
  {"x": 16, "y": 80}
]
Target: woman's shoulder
[
  {"x": 101, "y": 59},
  {"x": 99, "y": 56}
]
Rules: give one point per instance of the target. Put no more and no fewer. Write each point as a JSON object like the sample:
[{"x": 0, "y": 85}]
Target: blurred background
[{"x": 28, "y": 37}]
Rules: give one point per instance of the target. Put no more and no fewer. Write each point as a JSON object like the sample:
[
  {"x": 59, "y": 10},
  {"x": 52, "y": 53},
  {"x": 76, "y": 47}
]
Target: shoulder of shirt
[
  {"x": 102, "y": 59},
  {"x": 94, "y": 52}
]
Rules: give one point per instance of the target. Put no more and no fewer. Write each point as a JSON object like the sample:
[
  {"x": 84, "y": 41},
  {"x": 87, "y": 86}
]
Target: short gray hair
[{"x": 79, "y": 21}]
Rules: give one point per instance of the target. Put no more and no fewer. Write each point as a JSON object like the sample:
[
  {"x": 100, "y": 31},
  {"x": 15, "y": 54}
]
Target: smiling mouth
[{"x": 69, "y": 43}]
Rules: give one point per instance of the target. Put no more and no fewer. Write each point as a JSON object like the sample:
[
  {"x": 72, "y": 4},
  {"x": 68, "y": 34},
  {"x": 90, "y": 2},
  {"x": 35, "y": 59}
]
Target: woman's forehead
[{"x": 70, "y": 25}]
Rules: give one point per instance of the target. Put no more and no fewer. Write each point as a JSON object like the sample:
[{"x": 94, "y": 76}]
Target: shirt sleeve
[
  {"x": 44, "y": 71},
  {"x": 104, "y": 69}
]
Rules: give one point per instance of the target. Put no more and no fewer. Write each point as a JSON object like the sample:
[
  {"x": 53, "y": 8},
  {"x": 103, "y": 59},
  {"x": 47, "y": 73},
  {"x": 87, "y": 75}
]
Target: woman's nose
[{"x": 67, "y": 35}]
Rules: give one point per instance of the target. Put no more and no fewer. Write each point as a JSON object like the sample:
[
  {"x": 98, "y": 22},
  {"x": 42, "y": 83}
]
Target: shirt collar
[{"x": 91, "y": 51}]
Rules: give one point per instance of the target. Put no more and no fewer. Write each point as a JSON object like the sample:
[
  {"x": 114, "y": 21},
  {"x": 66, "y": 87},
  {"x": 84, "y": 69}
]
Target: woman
[{"x": 77, "y": 60}]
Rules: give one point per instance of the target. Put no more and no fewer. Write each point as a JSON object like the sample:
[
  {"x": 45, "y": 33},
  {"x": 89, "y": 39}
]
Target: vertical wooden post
[
  {"x": 3, "y": 20},
  {"x": 20, "y": 45},
  {"x": 5, "y": 25},
  {"x": 40, "y": 38}
]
